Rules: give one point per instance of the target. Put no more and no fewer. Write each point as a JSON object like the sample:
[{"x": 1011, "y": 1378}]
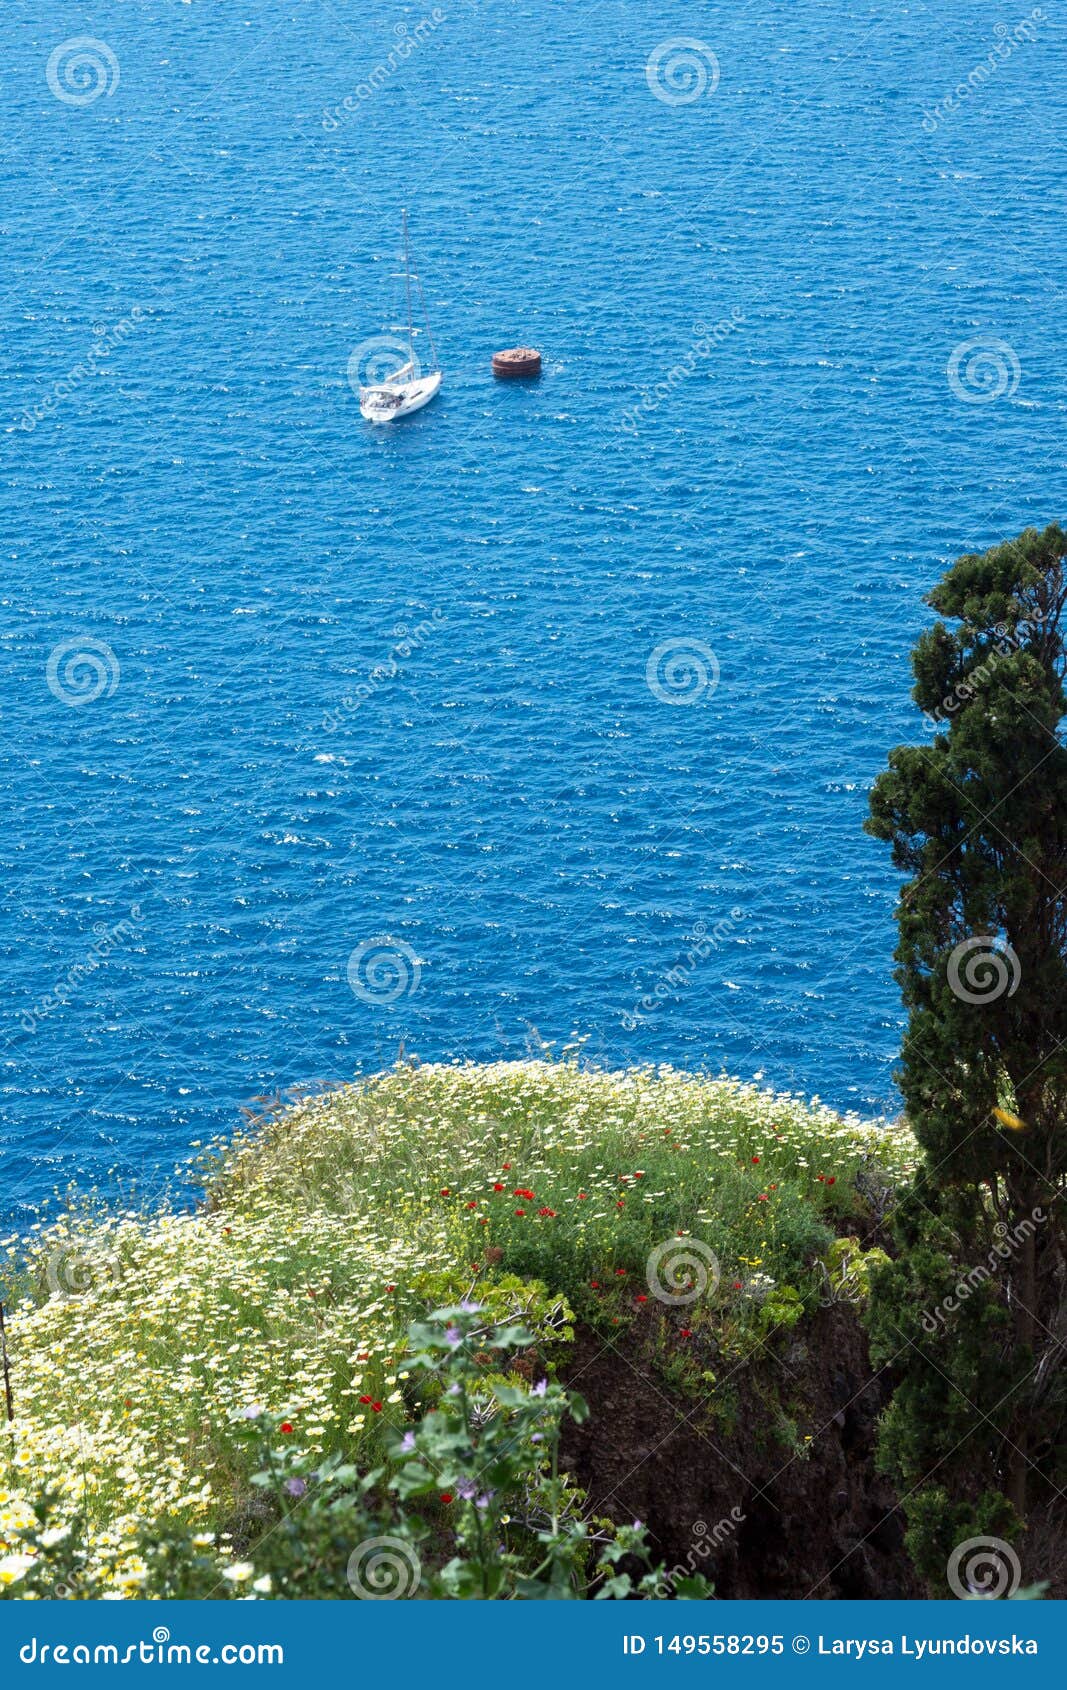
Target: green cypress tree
[{"x": 973, "y": 1312}]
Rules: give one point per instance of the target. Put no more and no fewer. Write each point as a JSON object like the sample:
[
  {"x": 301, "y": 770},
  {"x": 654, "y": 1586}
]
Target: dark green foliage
[{"x": 972, "y": 1313}]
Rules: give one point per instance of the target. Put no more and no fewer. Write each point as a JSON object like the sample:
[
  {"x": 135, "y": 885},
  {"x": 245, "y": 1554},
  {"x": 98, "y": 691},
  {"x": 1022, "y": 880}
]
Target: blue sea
[{"x": 548, "y": 714}]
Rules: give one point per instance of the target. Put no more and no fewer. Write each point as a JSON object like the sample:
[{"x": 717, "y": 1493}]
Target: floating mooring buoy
[{"x": 517, "y": 361}]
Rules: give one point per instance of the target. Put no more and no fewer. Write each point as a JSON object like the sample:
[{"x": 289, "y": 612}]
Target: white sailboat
[{"x": 409, "y": 388}]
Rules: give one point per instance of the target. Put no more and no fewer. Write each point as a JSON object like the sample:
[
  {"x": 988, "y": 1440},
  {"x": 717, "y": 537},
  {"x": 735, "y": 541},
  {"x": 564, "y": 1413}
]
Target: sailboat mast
[{"x": 407, "y": 284}]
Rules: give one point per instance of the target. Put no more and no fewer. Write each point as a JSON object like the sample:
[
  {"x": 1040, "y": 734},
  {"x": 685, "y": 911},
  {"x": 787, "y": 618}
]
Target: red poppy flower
[
  {"x": 363, "y": 1358},
  {"x": 286, "y": 1426},
  {"x": 376, "y": 1407},
  {"x": 620, "y": 1272},
  {"x": 832, "y": 1180},
  {"x": 755, "y": 1161},
  {"x": 507, "y": 1167},
  {"x": 523, "y": 1191},
  {"x": 390, "y": 1287},
  {"x": 737, "y": 1285},
  {"x": 483, "y": 1220},
  {"x": 595, "y": 1283},
  {"x": 686, "y": 1332},
  {"x": 763, "y": 1198},
  {"x": 520, "y": 1212},
  {"x": 621, "y": 1204},
  {"x": 472, "y": 1204},
  {"x": 583, "y": 1197},
  {"x": 366, "y": 1399},
  {"x": 549, "y": 1212},
  {"x": 129, "y": 1402},
  {"x": 639, "y": 1174},
  {"x": 446, "y": 1496},
  {"x": 498, "y": 1186},
  {"x": 641, "y": 1299},
  {"x": 445, "y": 1191},
  {"x": 476, "y": 1267}
]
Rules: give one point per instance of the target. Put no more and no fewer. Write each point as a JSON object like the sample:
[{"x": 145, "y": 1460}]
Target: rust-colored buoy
[{"x": 517, "y": 361}]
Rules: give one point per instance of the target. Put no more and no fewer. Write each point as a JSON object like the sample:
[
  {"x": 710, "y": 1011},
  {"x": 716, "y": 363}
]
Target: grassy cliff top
[{"x": 138, "y": 1343}]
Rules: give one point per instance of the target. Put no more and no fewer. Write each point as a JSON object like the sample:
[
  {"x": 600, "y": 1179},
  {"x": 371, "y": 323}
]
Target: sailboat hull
[{"x": 390, "y": 400}]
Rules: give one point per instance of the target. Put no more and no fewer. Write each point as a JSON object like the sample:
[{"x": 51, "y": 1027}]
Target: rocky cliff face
[{"x": 766, "y": 1482}]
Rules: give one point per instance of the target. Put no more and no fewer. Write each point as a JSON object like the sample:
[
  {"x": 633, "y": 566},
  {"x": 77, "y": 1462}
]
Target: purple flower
[
  {"x": 252, "y": 1411},
  {"x": 540, "y": 1388},
  {"x": 467, "y": 1489},
  {"x": 537, "y": 1437},
  {"x": 470, "y": 1308},
  {"x": 453, "y": 1336},
  {"x": 407, "y": 1443},
  {"x": 296, "y": 1487}
]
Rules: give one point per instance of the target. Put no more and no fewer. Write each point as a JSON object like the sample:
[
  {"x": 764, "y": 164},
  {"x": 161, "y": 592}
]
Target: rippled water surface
[{"x": 373, "y": 755}]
